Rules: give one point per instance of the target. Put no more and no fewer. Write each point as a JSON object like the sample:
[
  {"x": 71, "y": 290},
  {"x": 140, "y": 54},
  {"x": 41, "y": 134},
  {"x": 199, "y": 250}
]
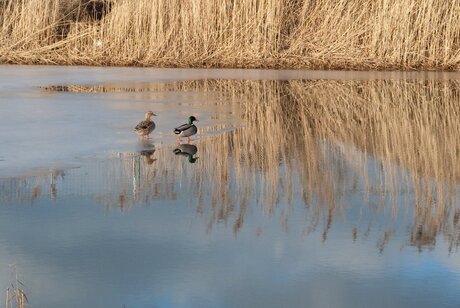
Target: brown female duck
[{"x": 145, "y": 127}]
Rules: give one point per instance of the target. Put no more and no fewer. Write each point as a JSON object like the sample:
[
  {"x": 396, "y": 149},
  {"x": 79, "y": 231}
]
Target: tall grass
[{"x": 342, "y": 34}]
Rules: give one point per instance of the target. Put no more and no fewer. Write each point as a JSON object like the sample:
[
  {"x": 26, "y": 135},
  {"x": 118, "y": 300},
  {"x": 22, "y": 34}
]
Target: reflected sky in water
[{"x": 306, "y": 191}]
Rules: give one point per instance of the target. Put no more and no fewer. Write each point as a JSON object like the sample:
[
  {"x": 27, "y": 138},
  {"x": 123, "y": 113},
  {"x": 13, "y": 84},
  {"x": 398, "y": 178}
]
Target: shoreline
[
  {"x": 199, "y": 73},
  {"x": 259, "y": 66}
]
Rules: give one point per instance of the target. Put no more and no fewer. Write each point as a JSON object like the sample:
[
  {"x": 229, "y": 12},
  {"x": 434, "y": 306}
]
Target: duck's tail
[{"x": 176, "y": 131}]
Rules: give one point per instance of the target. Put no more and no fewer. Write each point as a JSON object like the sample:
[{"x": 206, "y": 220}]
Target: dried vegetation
[{"x": 341, "y": 34}]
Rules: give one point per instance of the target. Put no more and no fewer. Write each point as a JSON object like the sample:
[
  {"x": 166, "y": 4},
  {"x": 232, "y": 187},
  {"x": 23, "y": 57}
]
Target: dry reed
[
  {"x": 15, "y": 295},
  {"x": 341, "y": 34}
]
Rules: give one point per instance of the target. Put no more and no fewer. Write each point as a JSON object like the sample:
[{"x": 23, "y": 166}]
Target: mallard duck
[
  {"x": 187, "y": 150},
  {"x": 144, "y": 128},
  {"x": 187, "y": 130}
]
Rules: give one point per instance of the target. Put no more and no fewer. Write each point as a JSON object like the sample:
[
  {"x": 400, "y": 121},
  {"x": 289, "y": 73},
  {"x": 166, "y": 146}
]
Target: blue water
[{"x": 87, "y": 220}]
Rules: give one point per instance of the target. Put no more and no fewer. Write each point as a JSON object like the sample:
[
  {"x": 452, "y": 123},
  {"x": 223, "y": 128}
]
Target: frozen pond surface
[{"x": 301, "y": 189}]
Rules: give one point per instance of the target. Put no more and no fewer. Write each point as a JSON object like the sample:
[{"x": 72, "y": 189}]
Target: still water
[{"x": 301, "y": 189}]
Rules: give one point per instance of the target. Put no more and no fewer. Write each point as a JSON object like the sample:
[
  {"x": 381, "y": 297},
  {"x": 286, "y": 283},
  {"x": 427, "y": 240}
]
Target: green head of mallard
[
  {"x": 192, "y": 119},
  {"x": 192, "y": 159}
]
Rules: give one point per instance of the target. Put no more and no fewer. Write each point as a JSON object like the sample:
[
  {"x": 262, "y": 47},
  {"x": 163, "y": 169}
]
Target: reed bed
[{"x": 339, "y": 34}]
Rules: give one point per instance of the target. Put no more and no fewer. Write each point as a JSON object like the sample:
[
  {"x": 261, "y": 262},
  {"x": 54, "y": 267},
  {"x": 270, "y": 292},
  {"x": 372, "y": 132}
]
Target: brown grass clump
[{"x": 341, "y": 34}]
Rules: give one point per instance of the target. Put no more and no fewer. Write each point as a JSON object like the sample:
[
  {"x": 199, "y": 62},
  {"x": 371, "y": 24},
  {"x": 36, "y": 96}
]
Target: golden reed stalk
[{"x": 341, "y": 34}]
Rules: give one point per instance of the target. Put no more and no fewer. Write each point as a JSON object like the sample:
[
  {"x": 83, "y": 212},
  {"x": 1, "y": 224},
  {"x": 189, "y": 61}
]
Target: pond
[{"x": 301, "y": 189}]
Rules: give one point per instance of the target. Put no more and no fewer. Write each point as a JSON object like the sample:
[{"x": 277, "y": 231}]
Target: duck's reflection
[
  {"x": 187, "y": 150},
  {"x": 147, "y": 154}
]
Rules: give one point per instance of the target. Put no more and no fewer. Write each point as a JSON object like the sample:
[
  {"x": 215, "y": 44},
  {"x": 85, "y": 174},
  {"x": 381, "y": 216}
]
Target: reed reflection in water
[{"x": 319, "y": 145}]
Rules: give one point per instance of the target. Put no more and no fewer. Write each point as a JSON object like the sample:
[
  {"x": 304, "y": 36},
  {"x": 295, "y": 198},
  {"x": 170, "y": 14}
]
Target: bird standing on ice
[
  {"x": 186, "y": 130},
  {"x": 144, "y": 128}
]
